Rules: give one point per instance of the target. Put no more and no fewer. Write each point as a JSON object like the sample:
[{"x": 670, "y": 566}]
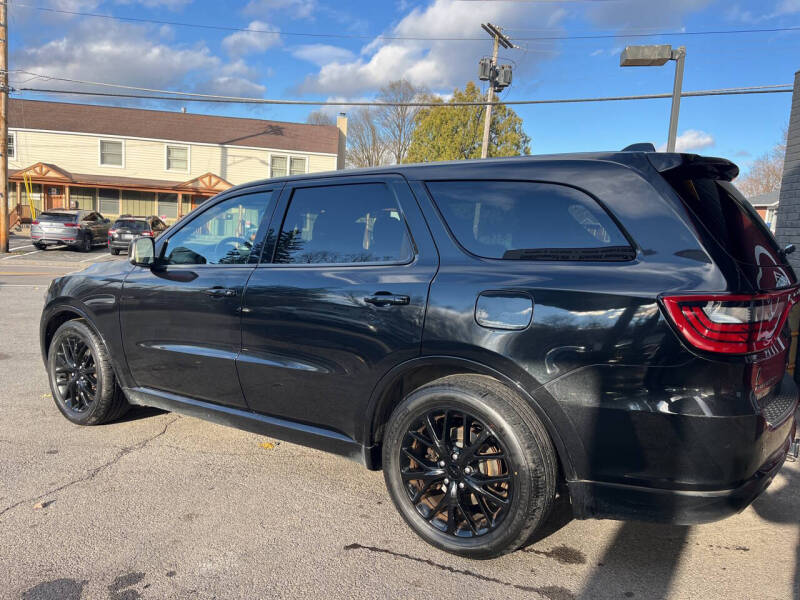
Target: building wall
[
  {"x": 788, "y": 219},
  {"x": 78, "y": 153}
]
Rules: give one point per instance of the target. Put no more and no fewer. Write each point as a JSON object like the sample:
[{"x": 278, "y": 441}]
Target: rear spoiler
[{"x": 693, "y": 166}]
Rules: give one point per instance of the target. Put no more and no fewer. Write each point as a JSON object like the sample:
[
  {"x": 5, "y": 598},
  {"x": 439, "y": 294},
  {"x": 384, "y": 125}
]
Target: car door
[
  {"x": 181, "y": 320},
  {"x": 338, "y": 299}
]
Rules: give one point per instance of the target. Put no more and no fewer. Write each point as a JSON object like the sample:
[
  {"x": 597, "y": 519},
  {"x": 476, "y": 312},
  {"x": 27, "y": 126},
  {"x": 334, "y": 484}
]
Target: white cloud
[
  {"x": 134, "y": 55},
  {"x": 690, "y": 141},
  {"x": 169, "y": 4},
  {"x": 439, "y": 65},
  {"x": 245, "y": 42},
  {"x": 297, "y": 9},
  {"x": 321, "y": 54},
  {"x": 787, "y": 7}
]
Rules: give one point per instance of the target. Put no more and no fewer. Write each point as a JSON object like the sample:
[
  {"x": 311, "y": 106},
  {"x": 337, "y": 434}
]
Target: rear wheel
[
  {"x": 86, "y": 243},
  {"x": 115, "y": 251},
  {"x": 469, "y": 466},
  {"x": 39, "y": 246},
  {"x": 81, "y": 377}
]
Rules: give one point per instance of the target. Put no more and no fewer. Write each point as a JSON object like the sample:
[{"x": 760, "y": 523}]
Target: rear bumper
[
  {"x": 600, "y": 500},
  {"x": 119, "y": 244},
  {"x": 54, "y": 240}
]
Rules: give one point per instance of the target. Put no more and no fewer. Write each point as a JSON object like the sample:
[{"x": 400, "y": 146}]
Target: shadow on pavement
[
  {"x": 779, "y": 505},
  {"x": 139, "y": 412},
  {"x": 640, "y": 562}
]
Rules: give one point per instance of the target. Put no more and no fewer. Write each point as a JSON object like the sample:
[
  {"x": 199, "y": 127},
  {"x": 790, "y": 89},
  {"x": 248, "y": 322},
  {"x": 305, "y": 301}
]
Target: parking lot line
[
  {"x": 18, "y": 255},
  {"x": 21, "y": 247}
]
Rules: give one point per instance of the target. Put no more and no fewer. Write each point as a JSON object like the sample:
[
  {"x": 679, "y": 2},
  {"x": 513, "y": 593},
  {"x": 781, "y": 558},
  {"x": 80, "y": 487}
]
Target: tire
[
  {"x": 39, "y": 246},
  {"x": 525, "y": 477},
  {"x": 115, "y": 251},
  {"x": 100, "y": 403},
  {"x": 86, "y": 243}
]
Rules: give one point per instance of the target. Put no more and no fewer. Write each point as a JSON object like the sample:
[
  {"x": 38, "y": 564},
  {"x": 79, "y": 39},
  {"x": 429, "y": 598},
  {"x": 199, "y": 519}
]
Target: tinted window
[
  {"x": 528, "y": 221},
  {"x": 343, "y": 224},
  {"x": 223, "y": 234},
  {"x": 728, "y": 217},
  {"x": 56, "y": 217},
  {"x": 131, "y": 225}
]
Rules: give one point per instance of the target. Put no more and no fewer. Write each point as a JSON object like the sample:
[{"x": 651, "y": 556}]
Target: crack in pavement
[{"x": 96, "y": 470}]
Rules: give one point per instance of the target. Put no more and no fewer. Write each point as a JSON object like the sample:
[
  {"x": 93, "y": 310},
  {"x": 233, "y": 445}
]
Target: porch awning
[{"x": 44, "y": 173}]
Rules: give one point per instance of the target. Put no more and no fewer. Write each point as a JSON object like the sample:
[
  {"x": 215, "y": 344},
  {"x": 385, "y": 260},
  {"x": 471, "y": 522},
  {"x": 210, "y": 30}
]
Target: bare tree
[
  {"x": 766, "y": 171},
  {"x": 318, "y": 117},
  {"x": 398, "y": 122},
  {"x": 366, "y": 146}
]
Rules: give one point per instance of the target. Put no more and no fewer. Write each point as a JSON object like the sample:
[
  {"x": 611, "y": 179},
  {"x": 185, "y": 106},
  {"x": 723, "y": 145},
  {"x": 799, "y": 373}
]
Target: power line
[
  {"x": 398, "y": 37},
  {"x": 768, "y": 89}
]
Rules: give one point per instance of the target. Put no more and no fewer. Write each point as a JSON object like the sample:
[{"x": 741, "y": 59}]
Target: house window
[
  {"x": 111, "y": 153},
  {"x": 168, "y": 206},
  {"x": 12, "y": 145},
  {"x": 297, "y": 166},
  {"x": 278, "y": 166},
  {"x": 178, "y": 158}
]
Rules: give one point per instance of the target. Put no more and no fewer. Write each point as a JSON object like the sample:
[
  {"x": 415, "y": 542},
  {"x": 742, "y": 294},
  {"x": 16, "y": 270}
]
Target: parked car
[
  {"x": 79, "y": 229},
  {"x": 610, "y": 327},
  {"x": 127, "y": 227}
]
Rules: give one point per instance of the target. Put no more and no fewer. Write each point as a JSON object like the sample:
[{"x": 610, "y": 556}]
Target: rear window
[
  {"x": 56, "y": 217},
  {"x": 131, "y": 224},
  {"x": 734, "y": 224},
  {"x": 517, "y": 220}
]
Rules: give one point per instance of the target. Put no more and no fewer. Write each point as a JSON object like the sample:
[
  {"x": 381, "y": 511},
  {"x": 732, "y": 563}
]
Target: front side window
[
  {"x": 111, "y": 153},
  {"x": 223, "y": 234},
  {"x": 518, "y": 220},
  {"x": 357, "y": 223},
  {"x": 177, "y": 158},
  {"x": 278, "y": 166}
]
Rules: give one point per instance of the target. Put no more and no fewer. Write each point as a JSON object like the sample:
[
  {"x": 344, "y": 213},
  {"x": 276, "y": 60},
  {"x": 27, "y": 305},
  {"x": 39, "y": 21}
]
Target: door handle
[
  {"x": 387, "y": 299},
  {"x": 218, "y": 292}
]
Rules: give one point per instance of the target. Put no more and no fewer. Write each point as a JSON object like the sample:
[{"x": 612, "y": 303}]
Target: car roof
[
  {"x": 482, "y": 168},
  {"x": 64, "y": 211}
]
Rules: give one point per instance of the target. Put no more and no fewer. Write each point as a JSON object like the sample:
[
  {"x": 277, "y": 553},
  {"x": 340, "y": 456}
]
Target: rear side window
[
  {"x": 518, "y": 220},
  {"x": 56, "y": 217},
  {"x": 356, "y": 223}
]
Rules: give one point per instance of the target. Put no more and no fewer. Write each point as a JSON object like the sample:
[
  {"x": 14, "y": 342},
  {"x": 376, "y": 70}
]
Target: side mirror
[{"x": 142, "y": 252}]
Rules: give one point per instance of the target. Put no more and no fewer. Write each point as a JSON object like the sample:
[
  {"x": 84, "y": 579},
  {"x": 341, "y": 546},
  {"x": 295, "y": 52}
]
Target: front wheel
[
  {"x": 469, "y": 466},
  {"x": 81, "y": 377}
]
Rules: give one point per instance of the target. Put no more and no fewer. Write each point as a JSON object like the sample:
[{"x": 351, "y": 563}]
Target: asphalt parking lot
[{"x": 165, "y": 506}]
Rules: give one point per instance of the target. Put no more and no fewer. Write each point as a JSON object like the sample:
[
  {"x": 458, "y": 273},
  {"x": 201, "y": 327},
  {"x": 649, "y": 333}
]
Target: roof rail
[{"x": 640, "y": 147}]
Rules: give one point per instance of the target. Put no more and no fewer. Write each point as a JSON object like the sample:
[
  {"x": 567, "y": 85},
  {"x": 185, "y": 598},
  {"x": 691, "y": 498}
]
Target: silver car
[{"x": 79, "y": 229}]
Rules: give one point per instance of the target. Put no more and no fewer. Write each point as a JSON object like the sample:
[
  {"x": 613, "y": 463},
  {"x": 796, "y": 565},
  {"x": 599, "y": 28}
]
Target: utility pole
[
  {"x": 3, "y": 126},
  {"x": 492, "y": 76}
]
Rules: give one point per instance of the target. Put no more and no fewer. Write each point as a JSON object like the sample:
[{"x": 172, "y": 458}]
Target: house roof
[
  {"x": 177, "y": 126},
  {"x": 766, "y": 199}
]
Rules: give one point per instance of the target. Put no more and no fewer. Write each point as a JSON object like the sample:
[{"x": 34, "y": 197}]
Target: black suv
[
  {"x": 128, "y": 227},
  {"x": 608, "y": 327}
]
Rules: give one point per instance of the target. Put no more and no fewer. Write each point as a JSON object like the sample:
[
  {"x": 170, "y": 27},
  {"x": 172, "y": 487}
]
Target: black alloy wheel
[
  {"x": 469, "y": 465},
  {"x": 75, "y": 373},
  {"x": 457, "y": 473},
  {"x": 81, "y": 376}
]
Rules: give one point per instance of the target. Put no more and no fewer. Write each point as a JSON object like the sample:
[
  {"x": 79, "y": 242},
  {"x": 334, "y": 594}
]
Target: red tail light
[
  {"x": 148, "y": 233},
  {"x": 35, "y": 222},
  {"x": 71, "y": 225},
  {"x": 728, "y": 323},
  {"x": 111, "y": 232}
]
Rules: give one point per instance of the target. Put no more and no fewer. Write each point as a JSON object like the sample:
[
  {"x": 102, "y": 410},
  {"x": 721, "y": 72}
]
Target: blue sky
[{"x": 330, "y": 49}]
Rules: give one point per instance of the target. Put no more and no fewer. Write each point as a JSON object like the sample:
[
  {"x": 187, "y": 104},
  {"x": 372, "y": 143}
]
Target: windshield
[
  {"x": 57, "y": 217},
  {"x": 131, "y": 224}
]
